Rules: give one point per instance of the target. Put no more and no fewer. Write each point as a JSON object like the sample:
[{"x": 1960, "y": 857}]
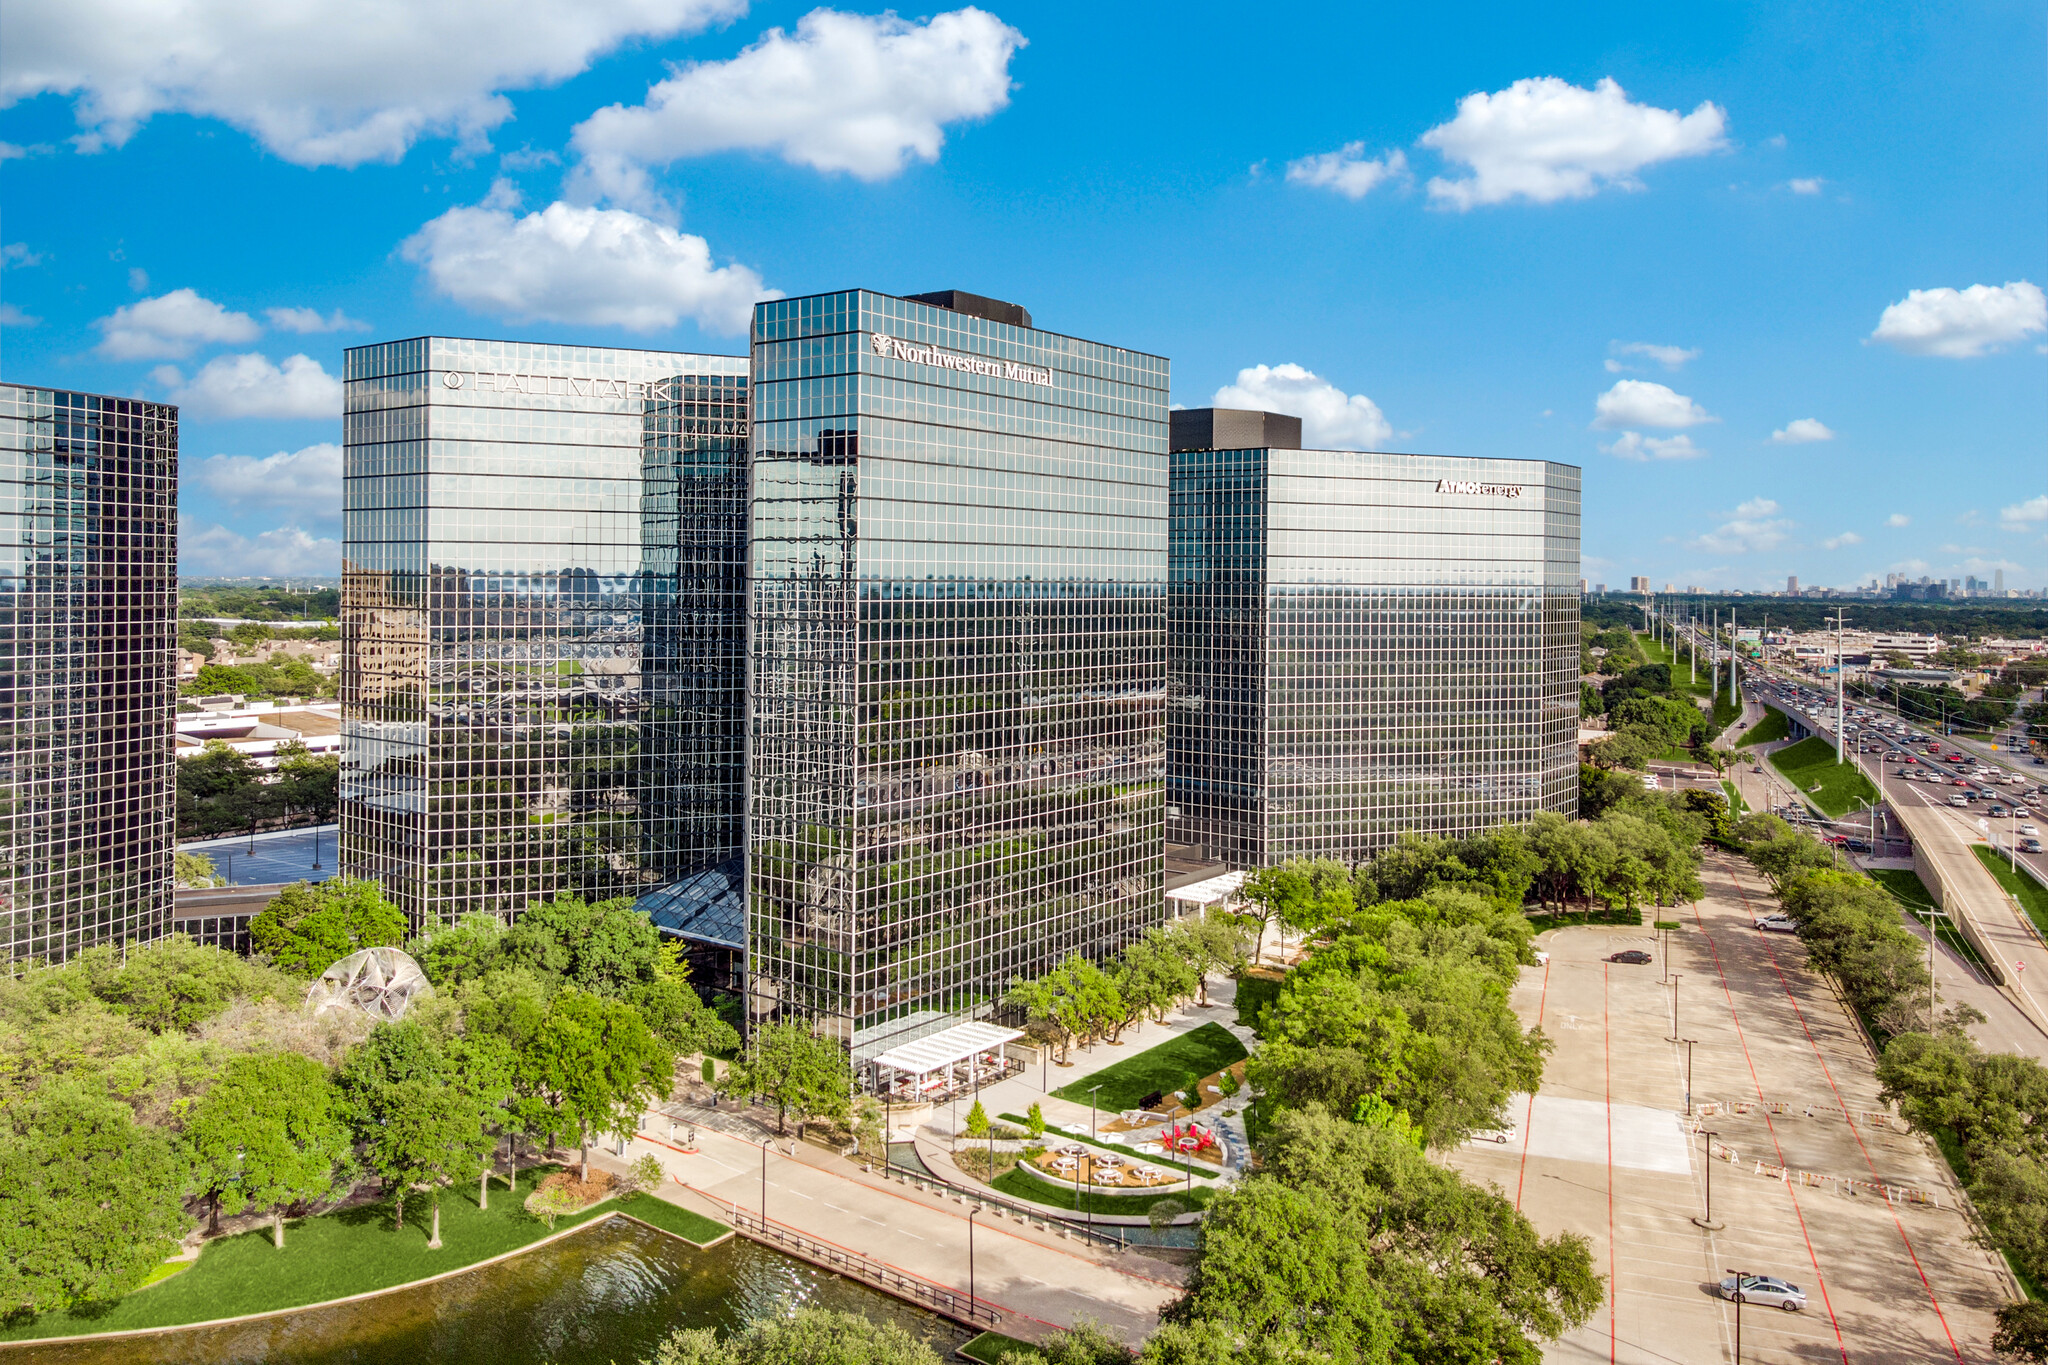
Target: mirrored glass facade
[
  {"x": 1367, "y": 644},
  {"x": 542, "y": 602},
  {"x": 958, "y": 659},
  {"x": 88, "y": 669}
]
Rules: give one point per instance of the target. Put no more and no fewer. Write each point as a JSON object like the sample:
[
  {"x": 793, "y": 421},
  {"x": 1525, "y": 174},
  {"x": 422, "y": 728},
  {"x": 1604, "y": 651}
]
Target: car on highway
[
  {"x": 1996, "y": 811},
  {"x": 1768, "y": 1290},
  {"x": 2031, "y": 831},
  {"x": 1776, "y": 924},
  {"x": 1636, "y": 955},
  {"x": 2030, "y": 845},
  {"x": 1959, "y": 800}
]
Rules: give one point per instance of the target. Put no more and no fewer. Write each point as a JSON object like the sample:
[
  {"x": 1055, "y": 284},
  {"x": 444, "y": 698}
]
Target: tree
[
  {"x": 797, "y": 1071},
  {"x": 1215, "y": 943},
  {"x": 815, "y": 1336},
  {"x": 174, "y": 984},
  {"x": 977, "y": 1121},
  {"x": 2022, "y": 1330},
  {"x": 194, "y": 871},
  {"x": 308, "y": 926},
  {"x": 269, "y": 1133},
  {"x": 434, "y": 1133},
  {"x": 595, "y": 1064},
  {"x": 1152, "y": 975},
  {"x": 89, "y": 1200},
  {"x": 1302, "y": 893}
]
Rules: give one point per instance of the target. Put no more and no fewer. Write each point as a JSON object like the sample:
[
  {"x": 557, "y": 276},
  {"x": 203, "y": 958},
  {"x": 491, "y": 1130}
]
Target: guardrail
[
  {"x": 856, "y": 1265},
  {"x": 1929, "y": 872}
]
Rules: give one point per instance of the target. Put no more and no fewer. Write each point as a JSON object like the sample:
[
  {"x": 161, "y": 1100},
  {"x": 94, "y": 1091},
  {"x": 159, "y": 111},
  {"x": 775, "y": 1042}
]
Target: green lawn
[
  {"x": 1030, "y": 1188},
  {"x": 1906, "y": 886},
  {"x": 1772, "y": 728},
  {"x": 990, "y": 1347},
  {"x": 1737, "y": 807},
  {"x": 1174, "y": 1064},
  {"x": 1658, "y": 654},
  {"x": 1811, "y": 763},
  {"x": 339, "y": 1254},
  {"x": 2032, "y": 895}
]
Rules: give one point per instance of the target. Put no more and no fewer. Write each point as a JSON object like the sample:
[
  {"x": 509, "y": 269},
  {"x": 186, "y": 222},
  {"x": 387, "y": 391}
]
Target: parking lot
[{"x": 1818, "y": 1187}]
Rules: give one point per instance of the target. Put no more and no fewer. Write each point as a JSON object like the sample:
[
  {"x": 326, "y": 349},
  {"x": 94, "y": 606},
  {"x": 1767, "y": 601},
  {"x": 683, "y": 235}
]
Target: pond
[{"x": 605, "y": 1296}]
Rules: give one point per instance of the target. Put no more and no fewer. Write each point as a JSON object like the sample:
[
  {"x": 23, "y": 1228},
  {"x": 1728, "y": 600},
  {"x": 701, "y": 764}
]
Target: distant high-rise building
[
  {"x": 1998, "y": 581},
  {"x": 1600, "y": 588},
  {"x": 88, "y": 669},
  {"x": 1792, "y": 584},
  {"x": 543, "y": 599},
  {"x": 1639, "y": 584}
]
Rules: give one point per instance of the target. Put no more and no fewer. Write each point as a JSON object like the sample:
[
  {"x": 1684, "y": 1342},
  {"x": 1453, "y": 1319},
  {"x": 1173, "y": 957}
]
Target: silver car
[{"x": 1767, "y": 1290}]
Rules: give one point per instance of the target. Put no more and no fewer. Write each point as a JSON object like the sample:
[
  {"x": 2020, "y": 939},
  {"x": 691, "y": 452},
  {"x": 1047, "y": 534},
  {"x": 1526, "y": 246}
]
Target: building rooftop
[{"x": 1232, "y": 429}]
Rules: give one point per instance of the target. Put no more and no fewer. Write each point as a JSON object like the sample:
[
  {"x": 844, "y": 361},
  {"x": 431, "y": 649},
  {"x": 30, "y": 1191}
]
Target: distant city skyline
[{"x": 1782, "y": 301}]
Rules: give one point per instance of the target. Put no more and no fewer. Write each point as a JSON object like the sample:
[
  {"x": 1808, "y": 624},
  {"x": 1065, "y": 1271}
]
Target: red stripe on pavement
[
  {"x": 1529, "y": 1114},
  {"x": 1607, "y": 1083}
]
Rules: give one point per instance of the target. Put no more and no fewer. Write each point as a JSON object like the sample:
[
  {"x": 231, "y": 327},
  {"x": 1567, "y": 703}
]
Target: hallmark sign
[
  {"x": 556, "y": 385},
  {"x": 1484, "y": 490},
  {"x": 896, "y": 349}
]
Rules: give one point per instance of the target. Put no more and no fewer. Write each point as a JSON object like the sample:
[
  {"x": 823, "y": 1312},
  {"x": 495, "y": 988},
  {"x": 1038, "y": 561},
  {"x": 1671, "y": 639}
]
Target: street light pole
[
  {"x": 1739, "y": 1276},
  {"x": 970, "y": 1262},
  {"x": 764, "y": 1185},
  {"x": 1707, "y": 1137},
  {"x": 1688, "y": 1075},
  {"x": 1840, "y": 616},
  {"x": 1674, "y": 1038}
]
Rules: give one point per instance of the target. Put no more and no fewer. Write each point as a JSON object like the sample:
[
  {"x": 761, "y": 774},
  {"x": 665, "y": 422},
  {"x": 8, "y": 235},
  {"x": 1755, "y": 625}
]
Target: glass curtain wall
[
  {"x": 88, "y": 669},
  {"x": 1362, "y": 650},
  {"x": 957, "y": 740},
  {"x": 495, "y": 704}
]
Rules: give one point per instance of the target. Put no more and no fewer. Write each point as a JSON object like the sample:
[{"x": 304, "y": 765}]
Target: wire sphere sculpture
[{"x": 379, "y": 982}]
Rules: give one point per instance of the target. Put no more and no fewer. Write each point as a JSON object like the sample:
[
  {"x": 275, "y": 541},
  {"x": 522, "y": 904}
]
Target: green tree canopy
[
  {"x": 310, "y": 926},
  {"x": 595, "y": 1064},
  {"x": 269, "y": 1133},
  {"x": 797, "y": 1071},
  {"x": 815, "y": 1336}
]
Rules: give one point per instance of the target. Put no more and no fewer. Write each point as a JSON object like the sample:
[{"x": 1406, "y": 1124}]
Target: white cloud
[
  {"x": 845, "y": 92},
  {"x": 1543, "y": 139},
  {"x": 250, "y": 386},
  {"x": 1348, "y": 170},
  {"x": 309, "y": 320},
  {"x": 1633, "y": 445},
  {"x": 605, "y": 267},
  {"x": 1959, "y": 323},
  {"x": 138, "y": 279},
  {"x": 1807, "y": 186},
  {"x": 207, "y": 549},
  {"x": 318, "y": 82},
  {"x": 1670, "y": 357},
  {"x": 10, "y": 316},
  {"x": 2021, "y": 516},
  {"x": 1800, "y": 431},
  {"x": 1639, "y": 403},
  {"x": 170, "y": 326},
  {"x": 1330, "y": 418},
  {"x": 1837, "y": 542},
  {"x": 1754, "y": 526},
  {"x": 1908, "y": 566},
  {"x": 15, "y": 255},
  {"x": 308, "y": 480},
  {"x": 1898, "y": 519}
]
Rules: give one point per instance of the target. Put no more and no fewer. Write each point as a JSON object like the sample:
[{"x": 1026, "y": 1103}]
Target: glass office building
[
  {"x": 88, "y": 669},
  {"x": 542, "y": 605},
  {"x": 1366, "y": 644},
  {"x": 957, "y": 735}
]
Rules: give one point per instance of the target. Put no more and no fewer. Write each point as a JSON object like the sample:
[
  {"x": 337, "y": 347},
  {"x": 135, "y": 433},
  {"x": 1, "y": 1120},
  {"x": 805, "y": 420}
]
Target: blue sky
[{"x": 1770, "y": 274}]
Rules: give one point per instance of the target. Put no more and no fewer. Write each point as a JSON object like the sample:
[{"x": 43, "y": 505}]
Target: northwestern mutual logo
[
  {"x": 1485, "y": 490},
  {"x": 967, "y": 364}
]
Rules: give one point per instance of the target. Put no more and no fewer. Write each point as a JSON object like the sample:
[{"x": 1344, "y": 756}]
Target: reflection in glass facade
[
  {"x": 540, "y": 597},
  {"x": 88, "y": 669},
  {"x": 1366, "y": 644},
  {"x": 957, "y": 736}
]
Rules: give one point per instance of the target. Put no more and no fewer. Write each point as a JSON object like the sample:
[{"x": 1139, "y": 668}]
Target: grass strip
[
  {"x": 1907, "y": 888},
  {"x": 1166, "y": 1161},
  {"x": 1019, "y": 1185},
  {"x": 1737, "y": 807},
  {"x": 1171, "y": 1066},
  {"x": 1835, "y": 787},
  {"x": 351, "y": 1251},
  {"x": 1772, "y": 728},
  {"x": 2032, "y": 896},
  {"x": 693, "y": 1228},
  {"x": 990, "y": 1347}
]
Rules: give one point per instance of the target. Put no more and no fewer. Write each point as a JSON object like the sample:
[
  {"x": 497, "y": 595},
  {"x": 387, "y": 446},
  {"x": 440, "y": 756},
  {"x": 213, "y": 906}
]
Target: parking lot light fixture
[
  {"x": 1707, "y": 1136},
  {"x": 1674, "y": 1008},
  {"x": 1740, "y": 1276}
]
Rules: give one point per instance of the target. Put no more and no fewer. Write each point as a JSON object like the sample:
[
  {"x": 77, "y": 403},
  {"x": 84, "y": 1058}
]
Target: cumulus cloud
[
  {"x": 605, "y": 267},
  {"x": 308, "y": 480},
  {"x": 1754, "y": 526},
  {"x": 1800, "y": 431},
  {"x": 2023, "y": 516},
  {"x": 15, "y": 255},
  {"x": 11, "y": 316},
  {"x": 318, "y": 82},
  {"x": 1837, "y": 542},
  {"x": 1330, "y": 418},
  {"x": 1639, "y": 403},
  {"x": 304, "y": 320},
  {"x": 1348, "y": 170},
  {"x": 1898, "y": 519},
  {"x": 171, "y": 326},
  {"x": 846, "y": 92},
  {"x": 250, "y": 386},
  {"x": 207, "y": 549},
  {"x": 1543, "y": 139},
  {"x": 1670, "y": 357},
  {"x": 1633, "y": 445},
  {"x": 1959, "y": 323},
  {"x": 1807, "y": 186}
]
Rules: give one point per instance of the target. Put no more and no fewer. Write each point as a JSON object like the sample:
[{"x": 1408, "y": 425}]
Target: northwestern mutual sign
[
  {"x": 897, "y": 349},
  {"x": 1485, "y": 490}
]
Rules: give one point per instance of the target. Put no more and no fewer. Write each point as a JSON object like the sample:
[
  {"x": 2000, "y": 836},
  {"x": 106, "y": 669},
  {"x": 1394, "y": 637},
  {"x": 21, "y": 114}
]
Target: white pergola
[
  {"x": 938, "y": 1051},
  {"x": 1210, "y": 891}
]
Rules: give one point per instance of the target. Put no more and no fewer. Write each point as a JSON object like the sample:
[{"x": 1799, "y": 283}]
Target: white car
[
  {"x": 1776, "y": 924},
  {"x": 1959, "y": 800},
  {"x": 1764, "y": 1289},
  {"x": 1501, "y": 1135}
]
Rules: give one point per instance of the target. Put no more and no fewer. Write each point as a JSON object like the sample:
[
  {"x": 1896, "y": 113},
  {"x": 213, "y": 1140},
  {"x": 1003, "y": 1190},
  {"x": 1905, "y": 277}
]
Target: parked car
[
  {"x": 1636, "y": 955},
  {"x": 1500, "y": 1135},
  {"x": 1764, "y": 1289},
  {"x": 1776, "y": 924}
]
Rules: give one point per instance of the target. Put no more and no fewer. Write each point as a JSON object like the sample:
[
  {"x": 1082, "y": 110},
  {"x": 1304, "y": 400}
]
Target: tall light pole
[
  {"x": 970, "y": 1262},
  {"x": 1714, "y": 662},
  {"x": 1733, "y": 695},
  {"x": 1739, "y": 1275},
  {"x": 1839, "y": 616},
  {"x": 1675, "y": 977},
  {"x": 1707, "y": 1136}
]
